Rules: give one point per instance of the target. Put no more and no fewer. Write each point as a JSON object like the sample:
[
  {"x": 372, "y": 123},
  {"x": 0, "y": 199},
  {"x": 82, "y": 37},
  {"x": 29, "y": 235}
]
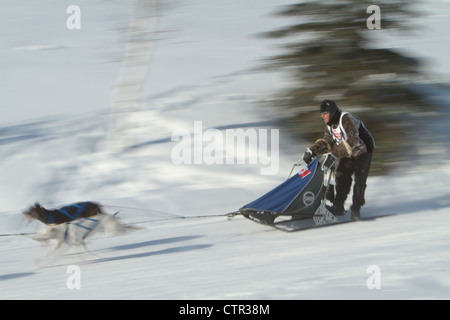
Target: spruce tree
[{"x": 330, "y": 52}]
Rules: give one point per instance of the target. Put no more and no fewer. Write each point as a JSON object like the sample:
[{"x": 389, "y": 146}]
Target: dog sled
[{"x": 301, "y": 201}]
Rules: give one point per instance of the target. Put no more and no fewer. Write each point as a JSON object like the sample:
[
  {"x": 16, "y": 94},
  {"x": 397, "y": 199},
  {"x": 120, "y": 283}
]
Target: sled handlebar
[{"x": 327, "y": 163}]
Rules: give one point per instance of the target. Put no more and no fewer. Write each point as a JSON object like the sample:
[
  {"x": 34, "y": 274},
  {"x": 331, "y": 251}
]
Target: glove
[
  {"x": 321, "y": 146},
  {"x": 307, "y": 156}
]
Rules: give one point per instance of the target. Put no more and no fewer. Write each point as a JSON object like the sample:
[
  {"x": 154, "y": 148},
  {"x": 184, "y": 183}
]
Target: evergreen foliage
[{"x": 330, "y": 54}]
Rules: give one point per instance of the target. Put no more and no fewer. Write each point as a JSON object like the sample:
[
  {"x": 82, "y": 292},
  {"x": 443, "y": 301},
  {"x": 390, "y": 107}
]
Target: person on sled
[{"x": 351, "y": 143}]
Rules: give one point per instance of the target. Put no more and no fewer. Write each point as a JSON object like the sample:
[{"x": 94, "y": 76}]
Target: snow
[{"x": 55, "y": 148}]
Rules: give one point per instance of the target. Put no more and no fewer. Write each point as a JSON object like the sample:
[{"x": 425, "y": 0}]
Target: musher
[{"x": 351, "y": 143}]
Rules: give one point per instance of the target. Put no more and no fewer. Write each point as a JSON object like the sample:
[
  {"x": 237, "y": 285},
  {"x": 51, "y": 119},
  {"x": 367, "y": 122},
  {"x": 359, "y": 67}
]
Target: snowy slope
[{"x": 58, "y": 152}]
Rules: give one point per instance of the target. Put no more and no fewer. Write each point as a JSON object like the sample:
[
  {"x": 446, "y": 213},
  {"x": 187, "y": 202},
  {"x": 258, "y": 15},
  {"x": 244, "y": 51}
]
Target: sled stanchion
[
  {"x": 290, "y": 173},
  {"x": 298, "y": 163},
  {"x": 330, "y": 174}
]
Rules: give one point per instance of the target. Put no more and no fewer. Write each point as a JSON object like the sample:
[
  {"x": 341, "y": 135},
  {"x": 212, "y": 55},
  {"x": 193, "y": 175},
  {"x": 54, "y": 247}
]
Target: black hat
[
  {"x": 328, "y": 105},
  {"x": 332, "y": 108}
]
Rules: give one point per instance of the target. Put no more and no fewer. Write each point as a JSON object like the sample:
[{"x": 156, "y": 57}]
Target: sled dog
[{"x": 75, "y": 233}]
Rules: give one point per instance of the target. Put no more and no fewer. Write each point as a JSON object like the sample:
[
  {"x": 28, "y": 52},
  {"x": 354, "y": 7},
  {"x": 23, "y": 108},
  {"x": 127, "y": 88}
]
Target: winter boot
[
  {"x": 355, "y": 213},
  {"x": 337, "y": 209}
]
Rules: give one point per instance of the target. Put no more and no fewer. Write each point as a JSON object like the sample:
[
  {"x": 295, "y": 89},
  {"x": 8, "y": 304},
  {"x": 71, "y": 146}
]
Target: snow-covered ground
[{"x": 60, "y": 143}]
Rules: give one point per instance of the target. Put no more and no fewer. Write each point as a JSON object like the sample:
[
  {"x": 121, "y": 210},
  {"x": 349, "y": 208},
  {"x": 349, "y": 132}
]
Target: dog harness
[
  {"x": 79, "y": 224},
  {"x": 64, "y": 210}
]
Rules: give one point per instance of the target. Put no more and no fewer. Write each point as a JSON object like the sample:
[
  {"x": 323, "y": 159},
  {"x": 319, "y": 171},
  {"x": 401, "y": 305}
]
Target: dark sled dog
[{"x": 65, "y": 214}]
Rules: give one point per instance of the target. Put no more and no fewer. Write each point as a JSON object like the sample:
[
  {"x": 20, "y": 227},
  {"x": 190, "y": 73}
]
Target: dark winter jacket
[{"x": 345, "y": 137}]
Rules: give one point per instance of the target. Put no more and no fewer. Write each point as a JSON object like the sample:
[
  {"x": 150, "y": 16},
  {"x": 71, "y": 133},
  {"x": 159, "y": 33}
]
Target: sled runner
[{"x": 301, "y": 197}]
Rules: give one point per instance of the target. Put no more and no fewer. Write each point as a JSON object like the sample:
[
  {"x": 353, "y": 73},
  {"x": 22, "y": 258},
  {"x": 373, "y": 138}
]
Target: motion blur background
[
  {"x": 88, "y": 114},
  {"x": 126, "y": 56},
  {"x": 394, "y": 76}
]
